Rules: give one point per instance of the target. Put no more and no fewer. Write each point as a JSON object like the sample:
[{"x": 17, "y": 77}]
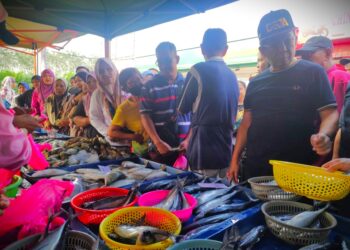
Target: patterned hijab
[
  {"x": 44, "y": 89},
  {"x": 112, "y": 91}
]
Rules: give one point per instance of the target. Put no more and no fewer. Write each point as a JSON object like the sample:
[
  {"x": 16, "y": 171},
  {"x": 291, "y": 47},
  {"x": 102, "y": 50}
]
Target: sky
[{"x": 239, "y": 19}]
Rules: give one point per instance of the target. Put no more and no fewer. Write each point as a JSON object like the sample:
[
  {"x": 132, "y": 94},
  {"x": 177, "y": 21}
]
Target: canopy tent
[{"x": 106, "y": 18}]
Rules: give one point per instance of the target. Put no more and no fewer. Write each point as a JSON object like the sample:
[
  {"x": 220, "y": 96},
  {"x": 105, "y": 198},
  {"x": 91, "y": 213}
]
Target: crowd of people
[{"x": 289, "y": 111}]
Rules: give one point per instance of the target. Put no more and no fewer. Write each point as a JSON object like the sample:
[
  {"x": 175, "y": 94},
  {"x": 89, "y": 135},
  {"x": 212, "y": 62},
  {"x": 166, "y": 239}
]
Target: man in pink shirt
[{"x": 318, "y": 49}]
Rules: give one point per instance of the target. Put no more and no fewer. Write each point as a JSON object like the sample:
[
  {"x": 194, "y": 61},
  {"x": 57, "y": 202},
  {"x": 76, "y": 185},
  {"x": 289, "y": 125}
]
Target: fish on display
[
  {"x": 138, "y": 234},
  {"x": 112, "y": 202},
  {"x": 175, "y": 200},
  {"x": 122, "y": 183},
  {"x": 212, "y": 194},
  {"x": 269, "y": 183},
  {"x": 305, "y": 219},
  {"x": 207, "y": 221},
  {"x": 226, "y": 208},
  {"x": 46, "y": 173},
  {"x": 159, "y": 185},
  {"x": 337, "y": 244},
  {"x": 233, "y": 240},
  {"x": 197, "y": 232}
]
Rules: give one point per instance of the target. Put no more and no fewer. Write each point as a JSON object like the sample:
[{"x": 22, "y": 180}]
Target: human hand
[
  {"x": 26, "y": 121},
  {"x": 63, "y": 123},
  {"x": 138, "y": 138},
  {"x": 21, "y": 111},
  {"x": 163, "y": 147},
  {"x": 342, "y": 164},
  {"x": 184, "y": 145},
  {"x": 232, "y": 173},
  {"x": 321, "y": 143}
]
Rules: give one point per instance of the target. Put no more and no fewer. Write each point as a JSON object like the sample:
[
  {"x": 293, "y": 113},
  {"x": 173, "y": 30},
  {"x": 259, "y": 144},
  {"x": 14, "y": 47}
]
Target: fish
[
  {"x": 284, "y": 217},
  {"x": 233, "y": 239},
  {"x": 156, "y": 174},
  {"x": 214, "y": 203},
  {"x": 269, "y": 183},
  {"x": 159, "y": 185},
  {"x": 130, "y": 164},
  {"x": 305, "y": 219},
  {"x": 132, "y": 194},
  {"x": 207, "y": 221},
  {"x": 225, "y": 208},
  {"x": 105, "y": 203},
  {"x": 252, "y": 237},
  {"x": 168, "y": 202},
  {"x": 88, "y": 171},
  {"x": 197, "y": 232},
  {"x": 49, "y": 173},
  {"x": 212, "y": 194},
  {"x": 141, "y": 235},
  {"x": 69, "y": 177},
  {"x": 337, "y": 244},
  {"x": 122, "y": 183}
]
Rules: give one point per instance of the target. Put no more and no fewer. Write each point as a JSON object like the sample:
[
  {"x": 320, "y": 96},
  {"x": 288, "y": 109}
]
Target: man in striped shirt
[{"x": 159, "y": 106}]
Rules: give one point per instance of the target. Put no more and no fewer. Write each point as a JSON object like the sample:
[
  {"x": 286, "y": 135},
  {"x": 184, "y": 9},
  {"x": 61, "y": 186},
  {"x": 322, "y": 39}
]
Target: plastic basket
[
  {"x": 12, "y": 189},
  {"x": 296, "y": 235},
  {"x": 152, "y": 198},
  {"x": 269, "y": 192},
  {"x": 156, "y": 217},
  {"x": 88, "y": 216},
  {"x": 197, "y": 245},
  {"x": 312, "y": 182},
  {"x": 78, "y": 240}
]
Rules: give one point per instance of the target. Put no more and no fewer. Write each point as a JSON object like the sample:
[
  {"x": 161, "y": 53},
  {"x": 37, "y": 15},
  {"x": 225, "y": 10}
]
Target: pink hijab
[{"x": 44, "y": 89}]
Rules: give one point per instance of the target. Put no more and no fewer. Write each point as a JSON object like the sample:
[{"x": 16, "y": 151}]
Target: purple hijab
[{"x": 44, "y": 89}]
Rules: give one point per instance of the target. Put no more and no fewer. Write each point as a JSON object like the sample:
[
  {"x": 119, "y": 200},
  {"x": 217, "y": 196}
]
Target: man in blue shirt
[
  {"x": 211, "y": 93},
  {"x": 158, "y": 106},
  {"x": 282, "y": 105}
]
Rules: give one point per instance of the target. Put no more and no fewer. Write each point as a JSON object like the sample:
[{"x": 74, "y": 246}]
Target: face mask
[{"x": 136, "y": 90}]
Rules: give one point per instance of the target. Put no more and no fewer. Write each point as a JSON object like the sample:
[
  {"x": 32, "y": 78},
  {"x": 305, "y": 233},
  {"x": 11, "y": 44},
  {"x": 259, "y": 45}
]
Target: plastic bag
[
  {"x": 181, "y": 162},
  {"x": 37, "y": 160},
  {"x": 32, "y": 209}
]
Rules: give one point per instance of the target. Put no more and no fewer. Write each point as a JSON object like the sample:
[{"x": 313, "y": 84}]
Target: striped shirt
[{"x": 159, "y": 99}]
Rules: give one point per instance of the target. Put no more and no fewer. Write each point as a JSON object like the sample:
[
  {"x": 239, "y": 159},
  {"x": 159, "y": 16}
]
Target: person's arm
[
  {"x": 81, "y": 121},
  {"x": 321, "y": 142},
  {"x": 116, "y": 133},
  {"x": 97, "y": 118},
  {"x": 336, "y": 146},
  {"x": 241, "y": 142},
  {"x": 342, "y": 164}
]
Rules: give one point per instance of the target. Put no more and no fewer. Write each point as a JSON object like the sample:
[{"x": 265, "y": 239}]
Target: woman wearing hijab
[
  {"x": 106, "y": 98},
  {"x": 7, "y": 93},
  {"x": 24, "y": 98},
  {"x": 81, "y": 115},
  {"x": 55, "y": 106},
  {"x": 40, "y": 94}
]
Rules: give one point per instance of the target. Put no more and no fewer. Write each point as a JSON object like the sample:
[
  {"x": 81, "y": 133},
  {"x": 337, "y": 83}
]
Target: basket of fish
[
  {"x": 266, "y": 188},
  {"x": 94, "y": 205},
  {"x": 174, "y": 200},
  {"x": 140, "y": 228},
  {"x": 197, "y": 245},
  {"x": 312, "y": 182},
  {"x": 296, "y": 223}
]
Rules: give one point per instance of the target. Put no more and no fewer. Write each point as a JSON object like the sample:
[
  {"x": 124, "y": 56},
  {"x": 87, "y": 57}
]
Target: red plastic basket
[
  {"x": 152, "y": 198},
  {"x": 88, "y": 216}
]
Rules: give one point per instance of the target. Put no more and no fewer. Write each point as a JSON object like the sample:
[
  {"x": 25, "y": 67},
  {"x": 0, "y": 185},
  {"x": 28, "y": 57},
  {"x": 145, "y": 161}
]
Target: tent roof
[
  {"x": 35, "y": 34},
  {"x": 106, "y": 18}
]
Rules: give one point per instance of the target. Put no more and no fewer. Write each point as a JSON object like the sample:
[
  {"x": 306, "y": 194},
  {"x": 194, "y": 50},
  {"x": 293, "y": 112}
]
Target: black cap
[
  {"x": 275, "y": 23},
  {"x": 344, "y": 61},
  {"x": 315, "y": 43}
]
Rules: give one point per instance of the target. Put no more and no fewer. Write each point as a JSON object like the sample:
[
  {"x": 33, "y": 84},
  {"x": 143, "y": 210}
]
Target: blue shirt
[{"x": 159, "y": 99}]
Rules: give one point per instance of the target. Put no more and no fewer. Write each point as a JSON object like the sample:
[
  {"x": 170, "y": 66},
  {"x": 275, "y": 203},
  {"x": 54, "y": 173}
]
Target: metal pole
[{"x": 107, "y": 48}]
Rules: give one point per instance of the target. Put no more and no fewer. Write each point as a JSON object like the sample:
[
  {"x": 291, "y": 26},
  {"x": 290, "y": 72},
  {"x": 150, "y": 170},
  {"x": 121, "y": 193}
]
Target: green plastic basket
[
  {"x": 197, "y": 245},
  {"x": 12, "y": 189}
]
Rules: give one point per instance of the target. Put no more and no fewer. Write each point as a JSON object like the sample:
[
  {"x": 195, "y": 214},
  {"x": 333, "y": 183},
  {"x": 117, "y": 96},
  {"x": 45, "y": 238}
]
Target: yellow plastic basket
[
  {"x": 312, "y": 182},
  {"x": 156, "y": 217}
]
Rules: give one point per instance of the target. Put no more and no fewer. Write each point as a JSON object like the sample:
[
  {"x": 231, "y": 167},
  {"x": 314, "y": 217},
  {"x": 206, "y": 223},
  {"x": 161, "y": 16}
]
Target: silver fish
[
  {"x": 137, "y": 233},
  {"x": 305, "y": 219},
  {"x": 212, "y": 194},
  {"x": 49, "y": 173},
  {"x": 122, "y": 183}
]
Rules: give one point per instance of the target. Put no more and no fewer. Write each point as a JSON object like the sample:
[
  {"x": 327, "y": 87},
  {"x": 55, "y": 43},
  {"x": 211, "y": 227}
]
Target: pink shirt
[
  {"x": 339, "y": 80},
  {"x": 15, "y": 150},
  {"x": 37, "y": 103}
]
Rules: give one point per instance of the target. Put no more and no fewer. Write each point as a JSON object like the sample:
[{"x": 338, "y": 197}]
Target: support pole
[
  {"x": 107, "y": 48},
  {"x": 35, "y": 55}
]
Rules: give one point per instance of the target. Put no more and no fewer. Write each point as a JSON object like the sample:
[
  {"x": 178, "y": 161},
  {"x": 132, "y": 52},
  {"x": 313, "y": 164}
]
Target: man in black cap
[
  {"x": 282, "y": 105},
  {"x": 345, "y": 63},
  {"x": 211, "y": 94},
  {"x": 319, "y": 49}
]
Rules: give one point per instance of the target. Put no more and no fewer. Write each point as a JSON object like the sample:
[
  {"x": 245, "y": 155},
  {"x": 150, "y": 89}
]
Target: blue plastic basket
[{"x": 197, "y": 245}]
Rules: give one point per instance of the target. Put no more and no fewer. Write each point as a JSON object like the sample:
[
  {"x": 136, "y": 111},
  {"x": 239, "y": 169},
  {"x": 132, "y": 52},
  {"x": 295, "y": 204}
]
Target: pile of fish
[
  {"x": 112, "y": 201},
  {"x": 307, "y": 219},
  {"x": 138, "y": 233},
  {"x": 338, "y": 244},
  {"x": 175, "y": 200},
  {"x": 216, "y": 206},
  {"x": 118, "y": 176},
  {"x": 233, "y": 240},
  {"x": 81, "y": 150}
]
